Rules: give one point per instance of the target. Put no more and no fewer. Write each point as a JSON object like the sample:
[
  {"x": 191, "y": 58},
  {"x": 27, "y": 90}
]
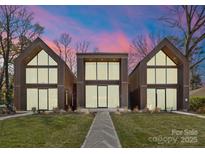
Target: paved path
[
  {"x": 190, "y": 114},
  {"x": 102, "y": 133},
  {"x": 16, "y": 115}
]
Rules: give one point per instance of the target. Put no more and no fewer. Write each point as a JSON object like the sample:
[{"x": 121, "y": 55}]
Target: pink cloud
[
  {"x": 112, "y": 42},
  {"x": 55, "y": 25}
]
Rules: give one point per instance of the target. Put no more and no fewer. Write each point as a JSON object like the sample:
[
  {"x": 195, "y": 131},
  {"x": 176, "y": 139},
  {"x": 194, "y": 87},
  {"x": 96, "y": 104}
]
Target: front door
[
  {"x": 160, "y": 98},
  {"x": 102, "y": 96}
]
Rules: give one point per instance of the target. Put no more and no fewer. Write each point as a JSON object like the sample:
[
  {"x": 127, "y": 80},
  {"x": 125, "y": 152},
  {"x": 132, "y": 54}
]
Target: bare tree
[
  {"x": 190, "y": 23},
  {"x": 8, "y": 29},
  {"x": 140, "y": 46},
  {"x": 66, "y": 52},
  {"x": 14, "y": 20},
  {"x": 82, "y": 46}
]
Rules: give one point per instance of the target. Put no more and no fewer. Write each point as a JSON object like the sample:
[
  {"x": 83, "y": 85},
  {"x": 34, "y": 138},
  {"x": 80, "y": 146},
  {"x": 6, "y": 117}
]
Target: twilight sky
[{"x": 110, "y": 28}]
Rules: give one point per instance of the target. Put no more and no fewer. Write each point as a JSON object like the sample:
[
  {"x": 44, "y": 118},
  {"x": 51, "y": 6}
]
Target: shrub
[
  {"x": 201, "y": 110},
  {"x": 56, "y": 110},
  {"x": 196, "y": 103},
  {"x": 136, "y": 109},
  {"x": 33, "y": 109},
  {"x": 146, "y": 110}
]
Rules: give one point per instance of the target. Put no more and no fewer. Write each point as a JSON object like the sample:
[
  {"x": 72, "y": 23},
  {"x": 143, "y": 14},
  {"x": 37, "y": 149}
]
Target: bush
[
  {"x": 146, "y": 110},
  {"x": 56, "y": 110},
  {"x": 33, "y": 109},
  {"x": 135, "y": 109},
  {"x": 201, "y": 110},
  {"x": 196, "y": 103}
]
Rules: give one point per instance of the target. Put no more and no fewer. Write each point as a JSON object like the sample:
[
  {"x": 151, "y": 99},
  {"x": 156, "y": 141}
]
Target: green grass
[
  {"x": 45, "y": 130},
  {"x": 146, "y": 130}
]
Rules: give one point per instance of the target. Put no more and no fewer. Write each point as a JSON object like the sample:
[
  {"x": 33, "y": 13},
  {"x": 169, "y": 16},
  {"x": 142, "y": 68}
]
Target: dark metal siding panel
[
  {"x": 124, "y": 82},
  {"x": 134, "y": 92},
  {"x": 80, "y": 82}
]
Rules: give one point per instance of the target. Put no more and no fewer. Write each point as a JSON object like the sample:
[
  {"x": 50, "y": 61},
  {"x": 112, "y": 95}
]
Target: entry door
[
  {"x": 43, "y": 99},
  {"x": 102, "y": 96},
  {"x": 161, "y": 98}
]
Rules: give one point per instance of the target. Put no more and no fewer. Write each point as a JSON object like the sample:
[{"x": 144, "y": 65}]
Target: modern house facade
[
  {"x": 160, "y": 80},
  {"x": 102, "y": 80},
  {"x": 42, "y": 79}
]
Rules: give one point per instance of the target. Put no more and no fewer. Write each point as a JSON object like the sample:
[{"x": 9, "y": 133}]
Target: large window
[
  {"x": 91, "y": 96},
  {"x": 161, "y": 70},
  {"x": 102, "y": 70},
  {"x": 114, "y": 71},
  {"x": 42, "y": 69},
  {"x": 31, "y": 75},
  {"x": 163, "y": 98},
  {"x": 90, "y": 69},
  {"x": 160, "y": 59},
  {"x": 102, "y": 96},
  {"x": 151, "y": 98},
  {"x": 46, "y": 99},
  {"x": 113, "y": 96}
]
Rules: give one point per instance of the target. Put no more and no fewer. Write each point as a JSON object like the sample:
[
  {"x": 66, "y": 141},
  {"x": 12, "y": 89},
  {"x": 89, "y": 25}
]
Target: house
[
  {"x": 160, "y": 80},
  {"x": 102, "y": 80},
  {"x": 42, "y": 79}
]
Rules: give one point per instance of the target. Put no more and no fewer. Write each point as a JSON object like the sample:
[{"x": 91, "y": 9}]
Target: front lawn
[
  {"x": 159, "y": 130},
  {"x": 67, "y": 130}
]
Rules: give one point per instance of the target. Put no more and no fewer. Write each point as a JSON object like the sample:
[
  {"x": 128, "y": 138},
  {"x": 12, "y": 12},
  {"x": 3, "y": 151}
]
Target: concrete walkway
[
  {"x": 102, "y": 133},
  {"x": 16, "y": 115},
  {"x": 190, "y": 114}
]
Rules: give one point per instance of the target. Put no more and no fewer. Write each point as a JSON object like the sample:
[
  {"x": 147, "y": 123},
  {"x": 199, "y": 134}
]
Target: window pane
[
  {"x": 160, "y": 76},
  {"x": 171, "y": 76},
  {"x": 102, "y": 71},
  {"x": 33, "y": 61},
  {"x": 113, "y": 96},
  {"x": 102, "y": 96},
  {"x": 42, "y": 58},
  {"x": 160, "y": 58},
  {"x": 42, "y": 75},
  {"x": 114, "y": 70},
  {"x": 161, "y": 99},
  {"x": 170, "y": 62},
  {"x": 53, "y": 98},
  {"x": 151, "y": 62},
  {"x": 151, "y": 98},
  {"x": 150, "y": 76},
  {"x": 53, "y": 75},
  {"x": 32, "y": 98},
  {"x": 51, "y": 61},
  {"x": 90, "y": 70},
  {"x": 43, "y": 99},
  {"x": 171, "y": 99},
  {"x": 31, "y": 75},
  {"x": 91, "y": 96}
]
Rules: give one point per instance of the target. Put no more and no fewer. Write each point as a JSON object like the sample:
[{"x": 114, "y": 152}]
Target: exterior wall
[
  {"x": 123, "y": 83},
  {"x": 80, "y": 82}
]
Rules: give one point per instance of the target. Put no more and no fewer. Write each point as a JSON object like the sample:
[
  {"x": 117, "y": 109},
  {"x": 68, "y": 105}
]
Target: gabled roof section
[
  {"x": 169, "y": 49},
  {"x": 36, "y": 46}
]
